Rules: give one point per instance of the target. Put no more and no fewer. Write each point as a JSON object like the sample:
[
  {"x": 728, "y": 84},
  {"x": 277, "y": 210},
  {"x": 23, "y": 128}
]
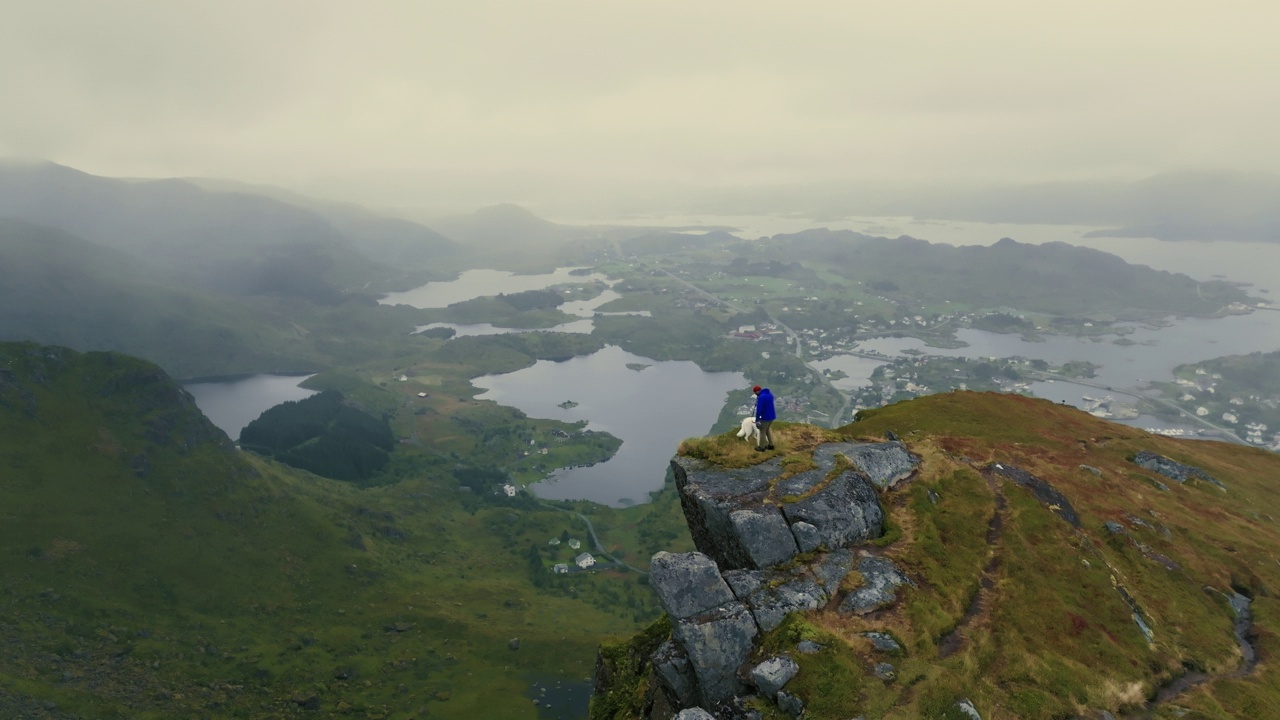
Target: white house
[
  {"x": 1202, "y": 411},
  {"x": 1230, "y": 417},
  {"x": 575, "y": 543},
  {"x": 584, "y": 561},
  {"x": 422, "y": 394},
  {"x": 553, "y": 542},
  {"x": 560, "y": 568},
  {"x": 509, "y": 489}
]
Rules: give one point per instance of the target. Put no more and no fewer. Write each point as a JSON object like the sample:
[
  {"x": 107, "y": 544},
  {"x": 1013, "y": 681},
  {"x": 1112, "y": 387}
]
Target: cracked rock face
[
  {"x": 746, "y": 518},
  {"x": 717, "y": 644},
  {"x": 845, "y": 511},
  {"x": 687, "y": 583},
  {"x": 671, "y": 665},
  {"x": 750, "y": 527}
]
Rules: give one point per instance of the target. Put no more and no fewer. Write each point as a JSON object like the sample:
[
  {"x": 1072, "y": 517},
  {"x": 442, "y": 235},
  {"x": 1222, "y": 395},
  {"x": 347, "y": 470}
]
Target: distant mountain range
[{"x": 1187, "y": 205}]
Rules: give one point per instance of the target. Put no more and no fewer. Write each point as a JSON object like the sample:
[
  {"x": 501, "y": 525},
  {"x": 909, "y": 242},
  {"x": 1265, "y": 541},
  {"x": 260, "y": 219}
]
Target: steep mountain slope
[
  {"x": 150, "y": 570},
  {"x": 60, "y": 289},
  {"x": 1037, "y": 563},
  {"x": 390, "y": 240}
]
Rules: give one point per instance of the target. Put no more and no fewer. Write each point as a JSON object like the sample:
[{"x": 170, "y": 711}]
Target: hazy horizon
[{"x": 575, "y": 107}]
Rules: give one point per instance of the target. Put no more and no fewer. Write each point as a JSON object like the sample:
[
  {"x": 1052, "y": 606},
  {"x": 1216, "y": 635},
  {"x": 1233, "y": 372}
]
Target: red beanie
[{"x": 755, "y": 389}]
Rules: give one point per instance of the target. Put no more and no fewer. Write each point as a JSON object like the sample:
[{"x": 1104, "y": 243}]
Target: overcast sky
[{"x": 566, "y": 103}]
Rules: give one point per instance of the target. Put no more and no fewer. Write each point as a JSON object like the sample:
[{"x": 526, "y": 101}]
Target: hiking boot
[
  {"x": 769, "y": 448},
  {"x": 759, "y": 449}
]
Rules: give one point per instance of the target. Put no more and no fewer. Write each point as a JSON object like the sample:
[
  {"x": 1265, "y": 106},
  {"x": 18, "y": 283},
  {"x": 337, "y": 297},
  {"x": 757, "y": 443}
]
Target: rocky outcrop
[
  {"x": 768, "y": 546},
  {"x": 1048, "y": 495},
  {"x": 1172, "y": 468},
  {"x": 717, "y": 644},
  {"x": 753, "y": 518}
]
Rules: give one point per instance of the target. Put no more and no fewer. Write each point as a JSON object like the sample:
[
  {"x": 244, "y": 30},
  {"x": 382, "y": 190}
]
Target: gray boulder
[
  {"x": 807, "y": 538},
  {"x": 771, "y": 675},
  {"x": 881, "y": 579},
  {"x": 966, "y": 707},
  {"x": 694, "y": 713},
  {"x": 883, "y": 642},
  {"x": 790, "y": 704},
  {"x": 809, "y": 647},
  {"x": 717, "y": 644},
  {"x": 763, "y": 535},
  {"x": 885, "y": 671},
  {"x": 687, "y": 584},
  {"x": 884, "y": 463},
  {"x": 845, "y": 511}
]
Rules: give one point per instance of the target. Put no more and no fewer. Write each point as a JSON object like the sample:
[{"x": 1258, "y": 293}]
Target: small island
[{"x": 568, "y": 404}]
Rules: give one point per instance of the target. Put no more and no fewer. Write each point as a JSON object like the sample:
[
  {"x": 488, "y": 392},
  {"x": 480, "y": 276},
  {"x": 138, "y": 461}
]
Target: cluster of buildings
[
  {"x": 582, "y": 561},
  {"x": 1205, "y": 384}
]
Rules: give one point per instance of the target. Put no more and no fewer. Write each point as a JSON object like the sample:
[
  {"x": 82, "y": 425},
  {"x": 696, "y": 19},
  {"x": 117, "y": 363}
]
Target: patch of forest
[{"x": 324, "y": 435}]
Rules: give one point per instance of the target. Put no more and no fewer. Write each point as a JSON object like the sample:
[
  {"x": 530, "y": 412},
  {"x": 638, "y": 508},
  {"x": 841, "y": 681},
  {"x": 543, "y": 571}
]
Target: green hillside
[{"x": 150, "y": 570}]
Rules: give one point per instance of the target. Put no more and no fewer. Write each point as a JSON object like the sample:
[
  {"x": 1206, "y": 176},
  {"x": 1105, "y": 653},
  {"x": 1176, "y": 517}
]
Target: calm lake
[
  {"x": 232, "y": 404},
  {"x": 651, "y": 410}
]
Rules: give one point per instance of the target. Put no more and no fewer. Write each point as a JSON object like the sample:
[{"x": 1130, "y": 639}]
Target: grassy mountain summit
[{"x": 1052, "y": 569}]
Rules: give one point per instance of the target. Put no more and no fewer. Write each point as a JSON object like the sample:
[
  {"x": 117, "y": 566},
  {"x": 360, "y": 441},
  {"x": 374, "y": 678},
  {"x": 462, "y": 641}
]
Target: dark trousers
[{"x": 766, "y": 436}]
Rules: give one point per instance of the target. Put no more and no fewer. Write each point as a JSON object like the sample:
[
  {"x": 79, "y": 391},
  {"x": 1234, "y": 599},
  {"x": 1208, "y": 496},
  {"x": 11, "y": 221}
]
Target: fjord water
[
  {"x": 651, "y": 410},
  {"x": 482, "y": 283},
  {"x": 232, "y": 404}
]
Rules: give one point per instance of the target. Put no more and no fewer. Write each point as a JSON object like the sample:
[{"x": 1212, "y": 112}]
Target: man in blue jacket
[{"x": 765, "y": 415}]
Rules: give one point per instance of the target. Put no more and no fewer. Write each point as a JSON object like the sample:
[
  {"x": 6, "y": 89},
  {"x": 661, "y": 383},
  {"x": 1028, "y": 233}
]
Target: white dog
[{"x": 750, "y": 431}]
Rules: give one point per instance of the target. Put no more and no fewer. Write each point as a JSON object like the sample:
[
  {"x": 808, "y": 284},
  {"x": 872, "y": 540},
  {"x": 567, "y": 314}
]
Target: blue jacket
[{"x": 764, "y": 406}]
